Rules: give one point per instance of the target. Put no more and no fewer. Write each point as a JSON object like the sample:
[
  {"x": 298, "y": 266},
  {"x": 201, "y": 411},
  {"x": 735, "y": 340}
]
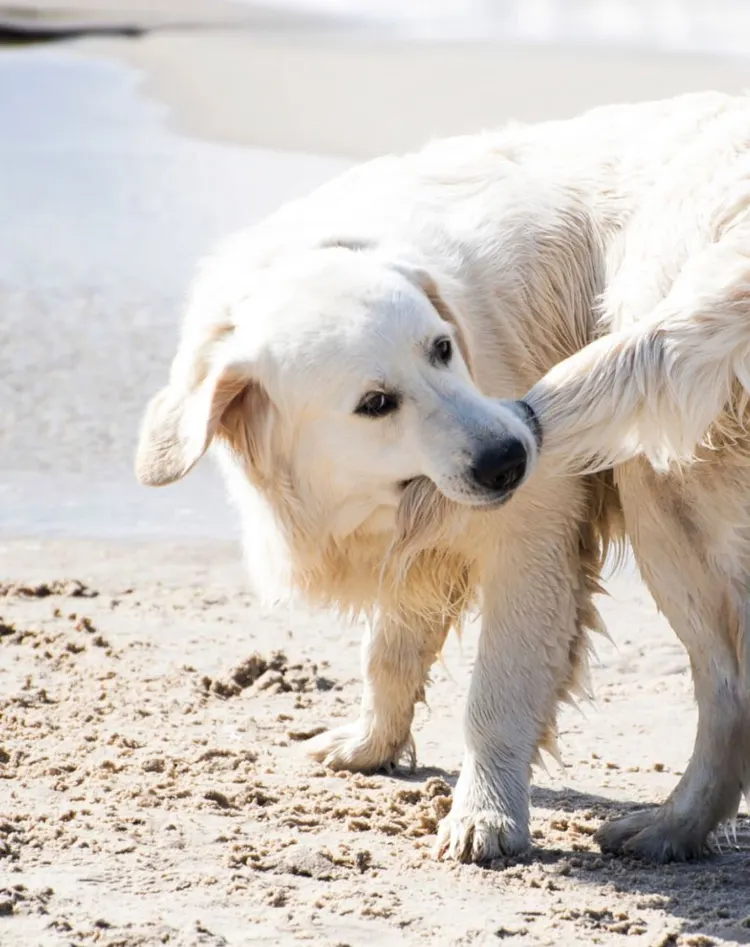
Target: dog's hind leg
[
  {"x": 396, "y": 659},
  {"x": 658, "y": 385},
  {"x": 691, "y": 547}
]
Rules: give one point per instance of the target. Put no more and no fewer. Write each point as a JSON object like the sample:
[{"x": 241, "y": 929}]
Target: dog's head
[{"x": 341, "y": 376}]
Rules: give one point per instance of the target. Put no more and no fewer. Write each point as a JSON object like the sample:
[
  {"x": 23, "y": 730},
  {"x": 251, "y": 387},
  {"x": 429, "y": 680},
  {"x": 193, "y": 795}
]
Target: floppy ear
[
  {"x": 425, "y": 281},
  {"x": 180, "y": 423}
]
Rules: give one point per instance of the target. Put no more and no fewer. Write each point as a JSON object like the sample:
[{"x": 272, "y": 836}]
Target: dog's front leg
[
  {"x": 396, "y": 658},
  {"x": 531, "y": 642}
]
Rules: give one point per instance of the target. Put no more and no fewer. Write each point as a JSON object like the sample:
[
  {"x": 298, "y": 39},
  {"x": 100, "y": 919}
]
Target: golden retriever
[{"x": 357, "y": 363}]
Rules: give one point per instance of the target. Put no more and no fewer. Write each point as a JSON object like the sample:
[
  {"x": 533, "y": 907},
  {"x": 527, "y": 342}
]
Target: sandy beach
[{"x": 153, "y": 783}]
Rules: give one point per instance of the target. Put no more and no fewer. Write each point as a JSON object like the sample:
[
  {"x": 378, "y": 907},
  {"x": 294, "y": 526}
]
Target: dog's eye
[
  {"x": 443, "y": 350},
  {"x": 377, "y": 404}
]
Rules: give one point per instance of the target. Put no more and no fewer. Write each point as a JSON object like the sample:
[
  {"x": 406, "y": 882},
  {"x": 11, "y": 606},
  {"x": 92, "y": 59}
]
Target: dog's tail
[{"x": 665, "y": 386}]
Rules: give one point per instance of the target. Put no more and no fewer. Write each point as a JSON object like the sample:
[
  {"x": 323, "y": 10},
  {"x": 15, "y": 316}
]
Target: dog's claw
[
  {"x": 479, "y": 837},
  {"x": 353, "y": 747}
]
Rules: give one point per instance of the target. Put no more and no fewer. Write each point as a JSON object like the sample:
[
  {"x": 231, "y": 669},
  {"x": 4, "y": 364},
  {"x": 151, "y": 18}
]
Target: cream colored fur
[{"x": 523, "y": 246}]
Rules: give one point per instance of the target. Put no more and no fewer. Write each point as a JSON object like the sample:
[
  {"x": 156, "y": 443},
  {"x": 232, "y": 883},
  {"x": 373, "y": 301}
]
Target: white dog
[{"x": 344, "y": 356}]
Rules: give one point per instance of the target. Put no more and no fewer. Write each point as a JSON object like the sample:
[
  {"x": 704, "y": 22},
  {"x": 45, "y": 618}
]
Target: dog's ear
[
  {"x": 181, "y": 421},
  {"x": 426, "y": 282}
]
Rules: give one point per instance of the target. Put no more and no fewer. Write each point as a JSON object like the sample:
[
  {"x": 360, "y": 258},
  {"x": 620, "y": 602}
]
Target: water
[
  {"x": 720, "y": 27},
  {"x": 104, "y": 215}
]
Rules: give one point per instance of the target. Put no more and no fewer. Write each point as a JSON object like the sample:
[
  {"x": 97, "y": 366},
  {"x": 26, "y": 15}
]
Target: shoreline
[{"x": 441, "y": 88}]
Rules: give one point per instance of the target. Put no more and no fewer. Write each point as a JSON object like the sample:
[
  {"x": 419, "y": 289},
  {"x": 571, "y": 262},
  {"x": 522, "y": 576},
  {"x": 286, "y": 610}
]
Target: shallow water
[
  {"x": 720, "y": 27},
  {"x": 104, "y": 215}
]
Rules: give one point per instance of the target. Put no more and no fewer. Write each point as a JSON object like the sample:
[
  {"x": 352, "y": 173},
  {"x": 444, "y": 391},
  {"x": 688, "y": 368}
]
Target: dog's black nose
[{"x": 500, "y": 467}]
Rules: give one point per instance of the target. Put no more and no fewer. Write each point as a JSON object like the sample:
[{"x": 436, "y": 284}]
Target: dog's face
[{"x": 351, "y": 376}]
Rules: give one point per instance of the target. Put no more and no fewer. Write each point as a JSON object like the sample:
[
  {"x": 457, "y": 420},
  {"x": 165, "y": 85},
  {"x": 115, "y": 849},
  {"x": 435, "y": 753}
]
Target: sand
[
  {"x": 153, "y": 783},
  {"x": 154, "y": 788}
]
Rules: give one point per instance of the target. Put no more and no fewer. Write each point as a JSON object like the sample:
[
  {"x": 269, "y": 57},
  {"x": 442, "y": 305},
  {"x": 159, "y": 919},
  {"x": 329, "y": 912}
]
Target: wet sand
[
  {"x": 153, "y": 787},
  {"x": 355, "y": 96}
]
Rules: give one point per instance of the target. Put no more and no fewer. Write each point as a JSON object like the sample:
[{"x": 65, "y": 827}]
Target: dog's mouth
[
  {"x": 484, "y": 502},
  {"x": 470, "y": 499}
]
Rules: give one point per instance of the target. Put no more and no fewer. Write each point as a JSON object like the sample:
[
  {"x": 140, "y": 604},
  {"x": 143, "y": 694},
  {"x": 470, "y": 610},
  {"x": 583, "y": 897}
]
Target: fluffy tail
[{"x": 679, "y": 379}]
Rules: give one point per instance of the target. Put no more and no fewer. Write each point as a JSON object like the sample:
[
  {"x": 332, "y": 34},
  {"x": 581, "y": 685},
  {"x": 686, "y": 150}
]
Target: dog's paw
[
  {"x": 655, "y": 835},
  {"x": 480, "y": 835},
  {"x": 357, "y": 748}
]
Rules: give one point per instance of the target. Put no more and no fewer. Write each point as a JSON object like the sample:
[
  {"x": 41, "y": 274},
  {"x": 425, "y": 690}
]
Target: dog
[{"x": 457, "y": 379}]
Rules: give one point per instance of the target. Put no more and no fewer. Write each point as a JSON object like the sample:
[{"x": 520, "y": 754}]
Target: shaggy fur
[{"x": 597, "y": 262}]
